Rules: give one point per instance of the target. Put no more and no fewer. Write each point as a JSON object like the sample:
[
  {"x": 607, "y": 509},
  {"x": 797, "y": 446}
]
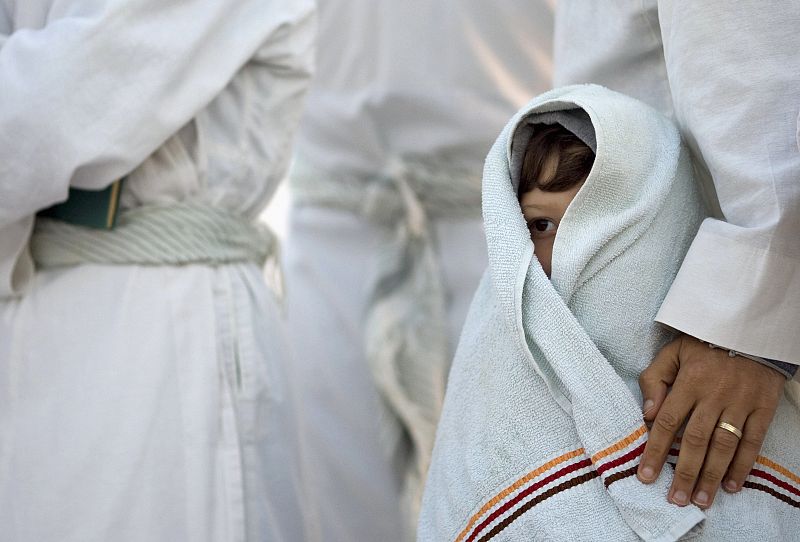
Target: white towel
[{"x": 542, "y": 427}]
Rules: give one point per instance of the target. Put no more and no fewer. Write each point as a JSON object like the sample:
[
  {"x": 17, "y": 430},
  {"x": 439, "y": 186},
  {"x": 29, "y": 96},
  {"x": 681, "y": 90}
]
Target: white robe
[
  {"x": 145, "y": 403},
  {"x": 730, "y": 76},
  {"x": 432, "y": 80}
]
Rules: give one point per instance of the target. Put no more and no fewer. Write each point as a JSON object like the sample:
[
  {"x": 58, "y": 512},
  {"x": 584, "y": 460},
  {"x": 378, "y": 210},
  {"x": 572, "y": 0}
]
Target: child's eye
[{"x": 542, "y": 227}]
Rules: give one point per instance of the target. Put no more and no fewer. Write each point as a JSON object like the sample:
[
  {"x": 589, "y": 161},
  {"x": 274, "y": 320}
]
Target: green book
[{"x": 91, "y": 208}]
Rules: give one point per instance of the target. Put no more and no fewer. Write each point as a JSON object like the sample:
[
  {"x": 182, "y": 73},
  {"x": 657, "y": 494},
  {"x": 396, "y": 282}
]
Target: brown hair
[{"x": 555, "y": 160}]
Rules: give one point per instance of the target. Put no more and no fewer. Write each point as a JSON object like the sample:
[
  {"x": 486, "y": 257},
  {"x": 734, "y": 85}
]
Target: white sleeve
[
  {"x": 89, "y": 93},
  {"x": 734, "y": 75},
  {"x": 88, "y": 96}
]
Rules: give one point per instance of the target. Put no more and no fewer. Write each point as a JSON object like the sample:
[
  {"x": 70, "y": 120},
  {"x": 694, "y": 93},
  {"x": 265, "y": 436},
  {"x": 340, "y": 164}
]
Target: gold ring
[{"x": 728, "y": 427}]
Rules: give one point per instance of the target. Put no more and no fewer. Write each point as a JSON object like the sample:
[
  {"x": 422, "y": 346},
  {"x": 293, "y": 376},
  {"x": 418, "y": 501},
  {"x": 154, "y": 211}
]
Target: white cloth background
[
  {"x": 146, "y": 403},
  {"x": 341, "y": 410}
]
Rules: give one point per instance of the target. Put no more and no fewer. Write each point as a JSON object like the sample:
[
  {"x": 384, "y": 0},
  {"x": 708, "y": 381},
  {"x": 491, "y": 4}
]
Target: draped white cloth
[
  {"x": 730, "y": 77},
  {"x": 397, "y": 82},
  {"x": 353, "y": 459},
  {"x": 146, "y": 402},
  {"x": 432, "y": 79}
]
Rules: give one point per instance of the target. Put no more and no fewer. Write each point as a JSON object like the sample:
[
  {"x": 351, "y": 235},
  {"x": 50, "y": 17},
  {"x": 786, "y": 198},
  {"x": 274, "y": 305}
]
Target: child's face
[{"x": 543, "y": 212}]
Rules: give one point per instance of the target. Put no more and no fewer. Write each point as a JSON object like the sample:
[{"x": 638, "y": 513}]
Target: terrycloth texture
[
  {"x": 574, "y": 120},
  {"x": 176, "y": 234},
  {"x": 405, "y": 322},
  {"x": 543, "y": 408}
]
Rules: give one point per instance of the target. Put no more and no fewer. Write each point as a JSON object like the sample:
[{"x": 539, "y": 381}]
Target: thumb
[{"x": 658, "y": 377}]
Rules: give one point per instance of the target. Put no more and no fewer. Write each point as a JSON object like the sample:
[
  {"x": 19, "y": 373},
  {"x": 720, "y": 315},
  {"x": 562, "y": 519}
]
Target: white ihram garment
[
  {"x": 347, "y": 415},
  {"x": 146, "y": 402},
  {"x": 398, "y": 84},
  {"x": 730, "y": 76}
]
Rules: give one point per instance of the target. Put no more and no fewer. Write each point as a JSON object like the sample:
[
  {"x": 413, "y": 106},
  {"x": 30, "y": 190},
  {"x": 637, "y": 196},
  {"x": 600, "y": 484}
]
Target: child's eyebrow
[
  {"x": 532, "y": 206},
  {"x": 543, "y": 205}
]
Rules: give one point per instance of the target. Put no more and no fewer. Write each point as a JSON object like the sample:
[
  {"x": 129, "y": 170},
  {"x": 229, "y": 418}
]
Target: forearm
[
  {"x": 788, "y": 370},
  {"x": 735, "y": 79},
  {"x": 101, "y": 84}
]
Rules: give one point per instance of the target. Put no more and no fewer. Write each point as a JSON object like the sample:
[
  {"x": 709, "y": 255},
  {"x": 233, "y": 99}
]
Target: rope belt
[
  {"x": 405, "y": 321},
  {"x": 178, "y": 234}
]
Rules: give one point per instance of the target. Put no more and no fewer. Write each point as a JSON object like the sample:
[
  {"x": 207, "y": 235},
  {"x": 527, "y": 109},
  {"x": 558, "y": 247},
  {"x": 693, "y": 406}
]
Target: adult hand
[{"x": 708, "y": 387}]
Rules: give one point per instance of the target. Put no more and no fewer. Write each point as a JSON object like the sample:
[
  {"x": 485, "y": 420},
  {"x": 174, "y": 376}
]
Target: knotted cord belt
[{"x": 405, "y": 321}]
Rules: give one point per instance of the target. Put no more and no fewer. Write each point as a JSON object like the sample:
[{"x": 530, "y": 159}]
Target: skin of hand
[{"x": 707, "y": 387}]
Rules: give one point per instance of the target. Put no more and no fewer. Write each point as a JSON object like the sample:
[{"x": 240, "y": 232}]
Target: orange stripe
[
  {"x": 619, "y": 445},
  {"x": 774, "y": 466},
  {"x": 513, "y": 487}
]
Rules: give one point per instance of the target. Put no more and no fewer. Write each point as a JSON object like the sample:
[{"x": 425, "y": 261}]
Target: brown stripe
[
  {"x": 578, "y": 480},
  {"x": 620, "y": 475},
  {"x": 778, "y": 468},
  {"x": 775, "y": 480},
  {"x": 511, "y": 503},
  {"x": 515, "y": 486},
  {"x": 621, "y": 460},
  {"x": 776, "y": 494}
]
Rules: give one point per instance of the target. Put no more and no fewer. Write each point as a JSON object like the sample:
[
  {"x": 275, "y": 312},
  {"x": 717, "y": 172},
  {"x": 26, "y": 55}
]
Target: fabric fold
[
  {"x": 405, "y": 331},
  {"x": 16, "y": 264}
]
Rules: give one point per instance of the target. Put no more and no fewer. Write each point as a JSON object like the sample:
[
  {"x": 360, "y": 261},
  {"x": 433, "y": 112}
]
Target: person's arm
[
  {"x": 730, "y": 72},
  {"x": 734, "y": 76},
  {"x": 734, "y": 73},
  {"x": 87, "y": 94}
]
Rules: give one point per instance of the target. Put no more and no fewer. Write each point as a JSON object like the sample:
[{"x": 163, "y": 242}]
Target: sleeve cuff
[
  {"x": 787, "y": 369},
  {"x": 732, "y": 291}
]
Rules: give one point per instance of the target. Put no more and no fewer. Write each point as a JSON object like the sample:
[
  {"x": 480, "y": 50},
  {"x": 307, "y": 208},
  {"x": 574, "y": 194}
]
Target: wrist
[{"x": 788, "y": 370}]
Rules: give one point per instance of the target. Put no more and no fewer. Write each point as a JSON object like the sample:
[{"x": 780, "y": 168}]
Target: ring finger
[
  {"x": 721, "y": 450},
  {"x": 755, "y": 430}
]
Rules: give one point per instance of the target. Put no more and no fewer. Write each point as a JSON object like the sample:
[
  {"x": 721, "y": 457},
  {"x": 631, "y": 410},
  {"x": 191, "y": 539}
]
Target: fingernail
[
  {"x": 648, "y": 406},
  {"x": 680, "y": 498},
  {"x": 701, "y": 498},
  {"x": 731, "y": 486},
  {"x": 647, "y": 473}
]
